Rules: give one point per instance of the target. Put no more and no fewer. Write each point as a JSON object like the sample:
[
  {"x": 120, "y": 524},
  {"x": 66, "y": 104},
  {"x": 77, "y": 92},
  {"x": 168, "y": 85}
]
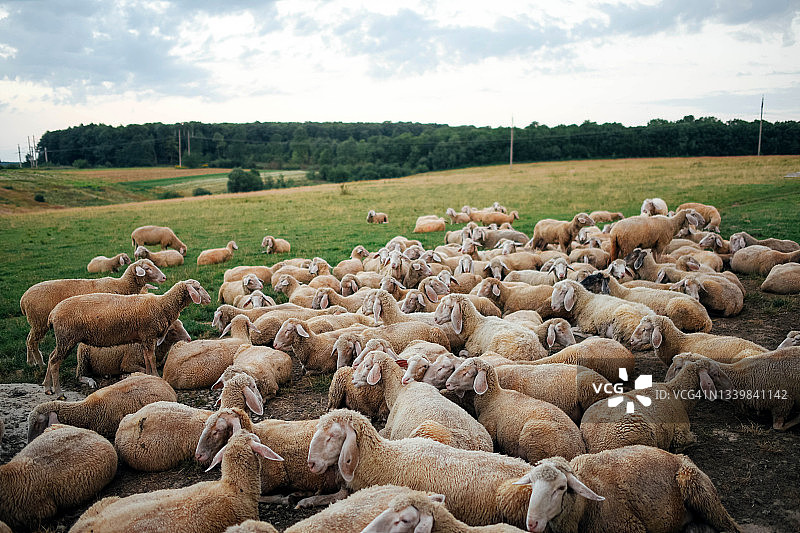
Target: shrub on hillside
[
  {"x": 80, "y": 163},
  {"x": 242, "y": 181},
  {"x": 200, "y": 191},
  {"x": 166, "y": 195}
]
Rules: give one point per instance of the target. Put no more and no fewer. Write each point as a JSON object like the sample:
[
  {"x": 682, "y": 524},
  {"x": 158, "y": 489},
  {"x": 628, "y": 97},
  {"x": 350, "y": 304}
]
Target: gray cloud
[{"x": 777, "y": 103}]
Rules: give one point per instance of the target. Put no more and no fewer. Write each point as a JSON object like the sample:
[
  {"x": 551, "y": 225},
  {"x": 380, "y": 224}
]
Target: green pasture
[{"x": 329, "y": 220}]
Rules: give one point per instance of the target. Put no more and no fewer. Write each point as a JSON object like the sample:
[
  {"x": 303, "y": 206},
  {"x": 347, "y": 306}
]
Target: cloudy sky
[{"x": 66, "y": 62}]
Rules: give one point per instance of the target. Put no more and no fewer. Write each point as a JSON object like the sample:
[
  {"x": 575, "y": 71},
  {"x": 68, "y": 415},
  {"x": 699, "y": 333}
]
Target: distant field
[{"x": 329, "y": 220}]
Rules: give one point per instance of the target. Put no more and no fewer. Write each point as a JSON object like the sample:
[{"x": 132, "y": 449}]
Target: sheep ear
[
  {"x": 431, "y": 294},
  {"x": 226, "y": 330},
  {"x": 377, "y": 309},
  {"x": 480, "y": 385},
  {"x": 456, "y": 318},
  {"x": 524, "y": 480},
  {"x": 217, "y": 458},
  {"x": 357, "y": 347},
  {"x": 661, "y": 275},
  {"x": 52, "y": 418},
  {"x": 264, "y": 451},
  {"x": 637, "y": 264},
  {"x": 374, "y": 375},
  {"x": 416, "y": 266},
  {"x": 323, "y": 302},
  {"x": 121, "y": 260},
  {"x": 707, "y": 385},
  {"x": 551, "y": 335},
  {"x": 425, "y": 524},
  {"x": 349, "y": 455},
  {"x": 301, "y": 331},
  {"x": 569, "y": 299},
  {"x": 160, "y": 340},
  {"x": 575, "y": 484},
  {"x": 437, "y": 498},
  {"x": 656, "y": 339},
  {"x": 495, "y": 289},
  {"x": 251, "y": 400},
  {"x": 218, "y": 384},
  {"x": 140, "y": 271},
  {"x": 354, "y": 286},
  {"x": 193, "y": 294}
]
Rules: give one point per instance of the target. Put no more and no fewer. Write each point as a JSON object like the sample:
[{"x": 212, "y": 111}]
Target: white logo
[{"x": 642, "y": 382}]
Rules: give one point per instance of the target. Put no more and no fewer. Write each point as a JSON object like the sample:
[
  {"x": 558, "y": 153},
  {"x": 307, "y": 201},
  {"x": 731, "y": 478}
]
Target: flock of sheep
[{"x": 494, "y": 417}]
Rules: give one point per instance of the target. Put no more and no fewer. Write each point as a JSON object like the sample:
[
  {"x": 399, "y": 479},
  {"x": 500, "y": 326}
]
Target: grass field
[{"x": 329, "y": 220}]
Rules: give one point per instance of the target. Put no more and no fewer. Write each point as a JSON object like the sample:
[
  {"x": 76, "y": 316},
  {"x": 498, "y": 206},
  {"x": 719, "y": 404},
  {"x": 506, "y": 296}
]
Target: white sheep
[
  {"x": 164, "y": 258},
  {"x": 520, "y": 424},
  {"x": 353, "y": 265},
  {"x": 314, "y": 351},
  {"x": 270, "y": 368},
  {"x": 298, "y": 294},
  {"x": 39, "y": 300},
  {"x": 429, "y": 223},
  {"x": 206, "y": 506},
  {"x": 157, "y": 235},
  {"x": 102, "y": 263},
  {"x": 230, "y": 290},
  {"x": 783, "y": 279},
  {"x": 58, "y": 470},
  {"x": 113, "y": 319},
  {"x": 511, "y": 298},
  {"x": 264, "y": 273},
  {"x": 457, "y": 218},
  {"x": 605, "y": 216},
  {"x": 214, "y": 256},
  {"x": 367, "y": 400},
  {"x": 274, "y": 245},
  {"x": 654, "y": 206},
  {"x": 604, "y": 356},
  {"x": 653, "y": 232},
  {"x": 398, "y": 335}
]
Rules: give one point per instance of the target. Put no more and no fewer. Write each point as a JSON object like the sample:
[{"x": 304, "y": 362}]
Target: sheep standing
[
  {"x": 157, "y": 235},
  {"x": 208, "y": 506},
  {"x": 58, "y": 470},
  {"x": 559, "y": 232},
  {"x": 273, "y": 245},
  {"x": 217, "y": 255},
  {"x": 521, "y": 425},
  {"x": 112, "y": 319},
  {"x": 654, "y": 232},
  {"x": 37, "y": 302},
  {"x": 607, "y": 491},
  {"x": 164, "y": 258},
  {"x": 102, "y": 263}
]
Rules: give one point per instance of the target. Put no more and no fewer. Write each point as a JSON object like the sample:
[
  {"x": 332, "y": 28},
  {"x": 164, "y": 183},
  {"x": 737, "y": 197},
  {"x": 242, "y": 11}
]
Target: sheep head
[{"x": 334, "y": 441}]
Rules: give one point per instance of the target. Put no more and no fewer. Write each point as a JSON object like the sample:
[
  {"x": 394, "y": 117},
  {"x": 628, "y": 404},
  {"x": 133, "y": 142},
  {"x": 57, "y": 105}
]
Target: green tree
[{"x": 241, "y": 181}]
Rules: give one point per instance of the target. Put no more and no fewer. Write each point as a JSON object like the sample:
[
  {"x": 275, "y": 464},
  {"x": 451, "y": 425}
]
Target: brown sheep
[
  {"x": 559, "y": 232},
  {"x": 653, "y": 232},
  {"x": 157, "y": 235},
  {"x": 217, "y": 255},
  {"x": 102, "y": 263},
  {"x": 709, "y": 213},
  {"x": 272, "y": 245},
  {"x": 377, "y": 218},
  {"x": 165, "y": 258}
]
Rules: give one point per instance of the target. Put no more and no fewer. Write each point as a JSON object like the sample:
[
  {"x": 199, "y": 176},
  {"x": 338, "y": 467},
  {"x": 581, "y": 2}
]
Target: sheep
[
  {"x": 489, "y": 238},
  {"x": 457, "y": 218},
  {"x": 419, "y": 511},
  {"x": 534, "y": 298},
  {"x": 367, "y": 400},
  {"x": 59, "y": 470},
  {"x": 558, "y": 232},
  {"x": 496, "y": 217},
  {"x": 520, "y": 425},
  {"x": 298, "y": 294},
  {"x": 229, "y": 290},
  {"x": 39, "y": 300},
  {"x": 199, "y": 363},
  {"x": 783, "y": 279},
  {"x": 374, "y": 217},
  {"x": 125, "y": 358},
  {"x": 157, "y": 235},
  {"x": 205, "y": 506},
  {"x": 709, "y": 213},
  {"x": 490, "y": 333},
  {"x": 686, "y": 313},
  {"x": 288, "y": 438},
  {"x": 771, "y": 371},
  {"x": 252, "y": 526},
  {"x": 550, "y": 332},
  {"x": 353, "y": 265},
  {"x": 162, "y": 259},
  {"x": 429, "y": 223},
  {"x": 263, "y": 273},
  {"x": 743, "y": 239},
  {"x": 598, "y": 314},
  {"x": 314, "y": 351},
  {"x": 654, "y": 206},
  {"x": 668, "y": 341},
  {"x": 274, "y": 245},
  {"x": 254, "y": 300},
  {"x": 604, "y": 356},
  {"x": 569, "y": 496},
  {"x": 605, "y": 216},
  {"x": 531, "y": 277},
  {"x": 757, "y": 259},
  {"x": 161, "y": 435},
  {"x": 111, "y": 319},
  {"x": 270, "y": 368},
  {"x": 661, "y": 418},
  {"x": 703, "y": 257},
  {"x": 364, "y": 279},
  {"x": 269, "y": 324},
  {"x": 214, "y": 256},
  {"x": 412, "y": 404},
  {"x": 721, "y": 293},
  {"x": 509, "y": 262},
  {"x": 325, "y": 296},
  {"x": 418, "y": 270},
  {"x": 102, "y": 263},
  {"x": 654, "y": 232},
  {"x": 365, "y": 459}
]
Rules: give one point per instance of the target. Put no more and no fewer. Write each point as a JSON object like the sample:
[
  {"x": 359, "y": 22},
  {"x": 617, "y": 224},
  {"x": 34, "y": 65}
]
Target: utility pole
[
  {"x": 188, "y": 143},
  {"x": 45, "y": 155},
  {"x": 760, "y": 122},
  {"x": 19, "y": 153},
  {"x": 179, "y": 148},
  {"x": 511, "y": 147}
]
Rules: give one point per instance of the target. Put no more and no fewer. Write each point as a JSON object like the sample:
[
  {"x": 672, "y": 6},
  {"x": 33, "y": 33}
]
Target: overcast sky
[{"x": 66, "y": 62}]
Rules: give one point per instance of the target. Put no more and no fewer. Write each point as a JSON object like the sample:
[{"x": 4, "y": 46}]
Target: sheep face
[
  {"x": 288, "y": 331},
  {"x": 549, "y": 481},
  {"x": 321, "y": 298},
  {"x": 416, "y": 369},
  {"x": 439, "y": 371},
  {"x": 647, "y": 332},
  {"x": 559, "y": 267},
  {"x": 414, "y": 303},
  {"x": 467, "y": 377},
  {"x": 197, "y": 293},
  {"x": 596, "y": 283},
  {"x": 560, "y": 332},
  {"x": 407, "y": 519},
  {"x": 346, "y": 348},
  {"x": 489, "y": 288},
  {"x": 563, "y": 297},
  {"x": 39, "y": 421},
  {"x": 217, "y": 430},
  {"x": 141, "y": 252},
  {"x": 737, "y": 242},
  {"x": 145, "y": 269},
  {"x": 334, "y": 442},
  {"x": 449, "y": 311},
  {"x": 251, "y": 283}
]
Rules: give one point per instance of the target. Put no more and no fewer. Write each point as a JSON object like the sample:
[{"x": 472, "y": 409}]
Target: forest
[{"x": 337, "y": 151}]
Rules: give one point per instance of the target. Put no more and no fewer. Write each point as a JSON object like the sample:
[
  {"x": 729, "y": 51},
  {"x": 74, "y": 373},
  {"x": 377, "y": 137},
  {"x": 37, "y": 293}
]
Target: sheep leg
[
  {"x": 35, "y": 336},
  {"x": 779, "y": 423},
  {"x": 51, "y": 378},
  {"x": 275, "y": 499},
  {"x": 150, "y": 358},
  {"x": 321, "y": 499}
]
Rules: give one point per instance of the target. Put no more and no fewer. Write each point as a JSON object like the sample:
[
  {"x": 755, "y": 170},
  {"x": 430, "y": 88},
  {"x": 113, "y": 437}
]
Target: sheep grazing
[
  {"x": 162, "y": 259},
  {"x": 429, "y": 223},
  {"x": 377, "y": 217},
  {"x": 663, "y": 421},
  {"x": 157, "y": 235},
  {"x": 229, "y": 290},
  {"x": 605, "y": 216},
  {"x": 214, "y": 256},
  {"x": 416, "y": 403},
  {"x": 347, "y": 439},
  {"x": 654, "y": 232},
  {"x": 58, "y": 470},
  {"x": 743, "y": 239},
  {"x": 686, "y": 313},
  {"x": 776, "y": 371},
  {"x": 274, "y": 245},
  {"x": 113, "y": 319},
  {"x": 485, "y": 334},
  {"x": 102, "y": 410},
  {"x": 558, "y": 232},
  {"x": 206, "y": 506},
  {"x": 654, "y": 206},
  {"x": 102, "y": 263},
  {"x": 40, "y": 299},
  {"x": 125, "y": 358},
  {"x": 668, "y": 341},
  {"x": 783, "y": 279},
  {"x": 709, "y": 213},
  {"x": 521, "y": 425},
  {"x": 602, "y": 491},
  {"x": 759, "y": 259},
  {"x": 457, "y": 218}
]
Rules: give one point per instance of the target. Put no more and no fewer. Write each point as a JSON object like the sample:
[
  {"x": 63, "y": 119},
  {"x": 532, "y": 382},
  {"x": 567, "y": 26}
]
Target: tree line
[{"x": 338, "y": 151}]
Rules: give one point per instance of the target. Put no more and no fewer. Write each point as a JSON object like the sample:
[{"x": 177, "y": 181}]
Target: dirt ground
[{"x": 753, "y": 467}]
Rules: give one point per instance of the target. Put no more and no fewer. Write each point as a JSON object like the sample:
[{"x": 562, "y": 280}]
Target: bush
[
  {"x": 241, "y": 181},
  {"x": 200, "y": 191},
  {"x": 80, "y": 163},
  {"x": 192, "y": 160},
  {"x": 166, "y": 195},
  {"x": 39, "y": 198}
]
